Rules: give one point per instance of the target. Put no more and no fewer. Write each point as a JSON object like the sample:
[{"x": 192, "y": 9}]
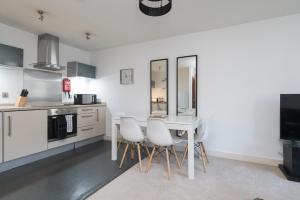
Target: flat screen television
[{"x": 290, "y": 117}]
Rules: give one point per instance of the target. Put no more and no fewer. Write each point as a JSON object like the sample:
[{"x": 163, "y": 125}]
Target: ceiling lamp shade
[{"x": 155, "y": 7}]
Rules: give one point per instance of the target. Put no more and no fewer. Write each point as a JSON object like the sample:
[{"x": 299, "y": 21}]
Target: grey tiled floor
[{"x": 71, "y": 175}]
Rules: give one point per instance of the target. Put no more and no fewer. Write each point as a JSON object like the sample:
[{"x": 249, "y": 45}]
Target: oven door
[{"x": 61, "y": 127}]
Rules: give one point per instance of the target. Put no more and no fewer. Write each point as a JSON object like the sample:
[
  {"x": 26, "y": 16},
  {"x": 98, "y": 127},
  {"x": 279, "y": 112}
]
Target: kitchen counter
[{"x": 8, "y": 108}]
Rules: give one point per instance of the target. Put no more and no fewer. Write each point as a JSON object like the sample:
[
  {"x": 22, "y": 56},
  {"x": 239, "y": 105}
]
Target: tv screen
[{"x": 290, "y": 116}]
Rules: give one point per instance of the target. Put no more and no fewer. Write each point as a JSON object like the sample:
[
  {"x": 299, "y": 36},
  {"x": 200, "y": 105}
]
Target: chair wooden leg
[
  {"x": 140, "y": 157},
  {"x": 124, "y": 154},
  {"x": 176, "y": 157},
  {"x": 170, "y": 153},
  {"x": 184, "y": 155},
  {"x": 205, "y": 155},
  {"x": 132, "y": 151},
  {"x": 168, "y": 163},
  {"x": 158, "y": 155},
  {"x": 119, "y": 144},
  {"x": 150, "y": 159},
  {"x": 148, "y": 152},
  {"x": 202, "y": 158}
]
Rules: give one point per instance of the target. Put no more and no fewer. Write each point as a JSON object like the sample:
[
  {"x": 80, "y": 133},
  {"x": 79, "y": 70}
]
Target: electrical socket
[{"x": 5, "y": 95}]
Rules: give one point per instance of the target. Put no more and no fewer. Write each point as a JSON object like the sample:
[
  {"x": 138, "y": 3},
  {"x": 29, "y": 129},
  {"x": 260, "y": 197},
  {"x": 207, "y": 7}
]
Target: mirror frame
[
  {"x": 167, "y": 87},
  {"x": 177, "y": 60}
]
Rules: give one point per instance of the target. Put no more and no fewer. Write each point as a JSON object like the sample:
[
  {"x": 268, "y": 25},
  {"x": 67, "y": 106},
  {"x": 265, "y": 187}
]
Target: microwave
[{"x": 85, "y": 99}]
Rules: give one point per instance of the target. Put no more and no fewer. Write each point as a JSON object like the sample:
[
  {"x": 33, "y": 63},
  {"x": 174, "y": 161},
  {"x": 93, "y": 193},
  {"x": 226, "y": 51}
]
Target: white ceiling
[{"x": 119, "y": 22}]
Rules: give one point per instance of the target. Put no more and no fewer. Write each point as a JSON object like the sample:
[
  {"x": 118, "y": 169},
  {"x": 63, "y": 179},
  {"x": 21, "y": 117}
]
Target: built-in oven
[{"x": 62, "y": 123}]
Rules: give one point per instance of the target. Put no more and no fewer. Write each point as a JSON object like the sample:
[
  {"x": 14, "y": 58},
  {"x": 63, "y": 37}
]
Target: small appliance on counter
[
  {"x": 85, "y": 99},
  {"x": 22, "y": 99}
]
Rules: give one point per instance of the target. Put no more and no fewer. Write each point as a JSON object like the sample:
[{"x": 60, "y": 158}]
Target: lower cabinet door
[
  {"x": 25, "y": 133},
  {"x": 86, "y": 119},
  {"x": 86, "y": 132},
  {"x": 101, "y": 120}
]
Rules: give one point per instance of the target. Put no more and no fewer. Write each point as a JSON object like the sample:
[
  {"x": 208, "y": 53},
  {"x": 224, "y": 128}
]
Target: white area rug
[{"x": 224, "y": 180}]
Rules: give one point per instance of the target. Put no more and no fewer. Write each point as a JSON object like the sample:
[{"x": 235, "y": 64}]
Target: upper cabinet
[
  {"x": 76, "y": 69},
  {"x": 11, "y": 56}
]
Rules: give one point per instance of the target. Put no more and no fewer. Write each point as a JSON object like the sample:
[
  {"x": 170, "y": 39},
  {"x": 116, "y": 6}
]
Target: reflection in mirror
[
  {"x": 187, "y": 85},
  {"x": 159, "y": 87}
]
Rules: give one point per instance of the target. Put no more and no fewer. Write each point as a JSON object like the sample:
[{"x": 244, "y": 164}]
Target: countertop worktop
[{"x": 8, "y": 108}]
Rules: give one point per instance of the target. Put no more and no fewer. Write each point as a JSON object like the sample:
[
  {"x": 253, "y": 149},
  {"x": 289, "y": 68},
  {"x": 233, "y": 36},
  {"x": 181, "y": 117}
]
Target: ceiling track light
[
  {"x": 41, "y": 15},
  {"x": 88, "y": 35},
  {"x": 155, "y": 7}
]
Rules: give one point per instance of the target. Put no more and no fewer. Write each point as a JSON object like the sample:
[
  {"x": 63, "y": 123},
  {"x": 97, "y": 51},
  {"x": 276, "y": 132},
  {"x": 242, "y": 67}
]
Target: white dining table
[{"x": 184, "y": 123}]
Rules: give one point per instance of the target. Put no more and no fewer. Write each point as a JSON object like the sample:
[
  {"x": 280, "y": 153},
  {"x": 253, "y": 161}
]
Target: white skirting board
[
  {"x": 51, "y": 152},
  {"x": 246, "y": 158},
  {"x": 233, "y": 156}
]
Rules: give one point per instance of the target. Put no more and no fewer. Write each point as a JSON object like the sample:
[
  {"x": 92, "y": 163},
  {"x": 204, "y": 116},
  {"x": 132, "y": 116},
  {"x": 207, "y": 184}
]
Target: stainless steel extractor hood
[{"x": 48, "y": 53}]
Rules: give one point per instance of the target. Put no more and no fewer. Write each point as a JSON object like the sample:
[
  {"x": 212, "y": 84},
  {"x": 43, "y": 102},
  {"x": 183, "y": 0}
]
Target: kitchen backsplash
[{"x": 11, "y": 82}]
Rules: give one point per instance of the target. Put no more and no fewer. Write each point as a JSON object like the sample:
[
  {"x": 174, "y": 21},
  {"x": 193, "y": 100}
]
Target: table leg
[
  {"x": 191, "y": 153},
  {"x": 114, "y": 140}
]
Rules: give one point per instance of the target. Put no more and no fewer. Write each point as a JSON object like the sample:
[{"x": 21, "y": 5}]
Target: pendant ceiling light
[
  {"x": 41, "y": 15},
  {"x": 155, "y": 7}
]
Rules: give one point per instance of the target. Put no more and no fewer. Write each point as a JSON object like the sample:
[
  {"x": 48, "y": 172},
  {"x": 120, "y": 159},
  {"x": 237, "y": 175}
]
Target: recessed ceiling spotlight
[
  {"x": 41, "y": 15},
  {"x": 155, "y": 7},
  {"x": 88, "y": 35}
]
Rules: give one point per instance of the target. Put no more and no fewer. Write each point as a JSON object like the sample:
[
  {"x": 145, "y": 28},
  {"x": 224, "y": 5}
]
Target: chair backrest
[
  {"x": 203, "y": 132},
  {"x": 158, "y": 133},
  {"x": 130, "y": 130}
]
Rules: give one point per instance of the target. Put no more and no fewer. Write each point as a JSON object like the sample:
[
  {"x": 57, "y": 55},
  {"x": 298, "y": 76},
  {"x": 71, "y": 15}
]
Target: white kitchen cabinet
[
  {"x": 1, "y": 136},
  {"x": 91, "y": 122},
  {"x": 101, "y": 120},
  {"x": 87, "y": 119},
  {"x": 77, "y": 69},
  {"x": 86, "y": 132},
  {"x": 25, "y": 133},
  {"x": 87, "y": 110}
]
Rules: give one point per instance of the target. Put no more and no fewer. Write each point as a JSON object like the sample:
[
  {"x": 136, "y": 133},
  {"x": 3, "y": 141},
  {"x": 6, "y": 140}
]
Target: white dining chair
[
  {"x": 132, "y": 134},
  {"x": 200, "y": 137},
  {"x": 159, "y": 135}
]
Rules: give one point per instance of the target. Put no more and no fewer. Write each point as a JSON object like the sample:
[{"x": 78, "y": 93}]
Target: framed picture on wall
[{"x": 126, "y": 76}]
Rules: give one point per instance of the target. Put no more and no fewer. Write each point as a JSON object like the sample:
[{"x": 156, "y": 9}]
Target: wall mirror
[
  {"x": 187, "y": 85},
  {"x": 159, "y": 87}
]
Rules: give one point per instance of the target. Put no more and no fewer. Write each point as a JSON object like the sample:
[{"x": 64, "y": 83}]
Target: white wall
[
  {"x": 242, "y": 70},
  {"x": 11, "y": 80}
]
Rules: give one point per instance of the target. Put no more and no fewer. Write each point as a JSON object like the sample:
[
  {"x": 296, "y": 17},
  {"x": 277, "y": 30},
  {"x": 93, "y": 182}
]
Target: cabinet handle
[
  {"x": 9, "y": 126},
  {"x": 86, "y": 116},
  {"x": 87, "y": 129},
  {"x": 97, "y": 115}
]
